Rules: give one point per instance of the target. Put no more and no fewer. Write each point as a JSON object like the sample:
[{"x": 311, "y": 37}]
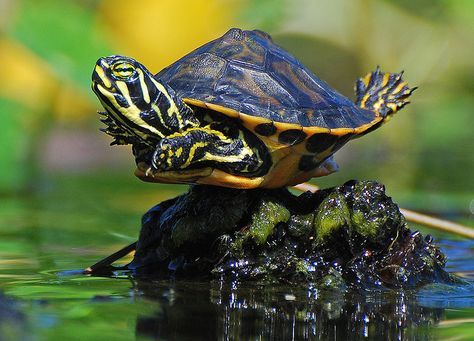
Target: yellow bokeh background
[{"x": 159, "y": 32}]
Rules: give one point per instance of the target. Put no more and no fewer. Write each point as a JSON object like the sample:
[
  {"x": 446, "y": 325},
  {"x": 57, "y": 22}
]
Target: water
[{"x": 69, "y": 224}]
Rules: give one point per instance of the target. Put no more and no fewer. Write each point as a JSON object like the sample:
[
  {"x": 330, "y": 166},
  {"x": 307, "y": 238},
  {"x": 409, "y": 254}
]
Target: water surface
[{"x": 70, "y": 224}]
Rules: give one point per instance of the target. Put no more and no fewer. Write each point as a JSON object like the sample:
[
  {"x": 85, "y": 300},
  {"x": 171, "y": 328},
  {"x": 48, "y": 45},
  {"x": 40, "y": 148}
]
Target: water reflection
[
  {"x": 40, "y": 302},
  {"x": 190, "y": 311}
]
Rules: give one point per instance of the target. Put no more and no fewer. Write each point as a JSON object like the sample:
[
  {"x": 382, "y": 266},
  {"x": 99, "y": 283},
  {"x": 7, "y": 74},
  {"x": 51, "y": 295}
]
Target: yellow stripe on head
[
  {"x": 132, "y": 113},
  {"x": 103, "y": 77},
  {"x": 143, "y": 86}
]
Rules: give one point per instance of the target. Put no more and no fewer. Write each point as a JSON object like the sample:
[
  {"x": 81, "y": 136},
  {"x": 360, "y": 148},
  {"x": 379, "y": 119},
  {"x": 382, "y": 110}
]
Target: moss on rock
[
  {"x": 348, "y": 235},
  {"x": 332, "y": 215},
  {"x": 269, "y": 213}
]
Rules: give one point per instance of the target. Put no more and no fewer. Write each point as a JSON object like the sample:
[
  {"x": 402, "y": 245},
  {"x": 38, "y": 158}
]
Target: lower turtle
[{"x": 238, "y": 112}]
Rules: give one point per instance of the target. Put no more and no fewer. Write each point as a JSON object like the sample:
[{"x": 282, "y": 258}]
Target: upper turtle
[{"x": 238, "y": 112}]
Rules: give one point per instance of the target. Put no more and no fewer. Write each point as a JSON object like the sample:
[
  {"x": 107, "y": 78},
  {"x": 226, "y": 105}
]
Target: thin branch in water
[{"x": 106, "y": 263}]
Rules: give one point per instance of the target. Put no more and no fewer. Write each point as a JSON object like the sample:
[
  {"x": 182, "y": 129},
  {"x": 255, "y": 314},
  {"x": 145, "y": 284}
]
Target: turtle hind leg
[
  {"x": 209, "y": 146},
  {"x": 383, "y": 93}
]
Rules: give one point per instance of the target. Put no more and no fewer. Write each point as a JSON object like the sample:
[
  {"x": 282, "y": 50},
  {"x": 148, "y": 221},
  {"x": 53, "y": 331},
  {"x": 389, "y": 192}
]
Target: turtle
[{"x": 238, "y": 112}]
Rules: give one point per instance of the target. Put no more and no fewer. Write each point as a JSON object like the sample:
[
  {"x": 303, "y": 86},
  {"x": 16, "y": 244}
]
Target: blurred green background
[{"x": 48, "y": 112}]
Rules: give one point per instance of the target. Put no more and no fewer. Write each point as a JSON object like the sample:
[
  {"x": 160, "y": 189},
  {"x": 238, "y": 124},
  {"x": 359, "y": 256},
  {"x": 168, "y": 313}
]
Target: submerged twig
[{"x": 415, "y": 217}]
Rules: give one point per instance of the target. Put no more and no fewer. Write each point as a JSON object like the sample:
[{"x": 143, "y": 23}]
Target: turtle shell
[{"x": 245, "y": 74}]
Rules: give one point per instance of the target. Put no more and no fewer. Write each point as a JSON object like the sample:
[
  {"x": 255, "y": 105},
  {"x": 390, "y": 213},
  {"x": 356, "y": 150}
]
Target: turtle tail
[{"x": 383, "y": 93}]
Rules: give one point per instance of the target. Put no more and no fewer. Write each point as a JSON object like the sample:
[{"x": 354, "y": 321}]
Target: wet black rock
[{"x": 350, "y": 235}]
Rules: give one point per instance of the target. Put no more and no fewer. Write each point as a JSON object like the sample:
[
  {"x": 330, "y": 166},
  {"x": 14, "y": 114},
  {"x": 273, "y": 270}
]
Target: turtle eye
[{"x": 123, "y": 70}]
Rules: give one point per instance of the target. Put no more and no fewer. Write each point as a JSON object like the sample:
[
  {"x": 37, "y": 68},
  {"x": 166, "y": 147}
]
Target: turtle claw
[
  {"x": 161, "y": 156},
  {"x": 150, "y": 172}
]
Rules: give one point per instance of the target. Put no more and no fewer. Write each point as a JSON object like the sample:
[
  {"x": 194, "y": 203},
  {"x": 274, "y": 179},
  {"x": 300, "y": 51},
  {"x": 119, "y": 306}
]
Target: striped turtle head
[{"x": 133, "y": 100}]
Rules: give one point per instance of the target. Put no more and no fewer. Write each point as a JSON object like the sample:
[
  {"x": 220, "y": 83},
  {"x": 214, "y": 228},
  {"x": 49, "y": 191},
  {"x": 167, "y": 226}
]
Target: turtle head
[{"x": 136, "y": 104}]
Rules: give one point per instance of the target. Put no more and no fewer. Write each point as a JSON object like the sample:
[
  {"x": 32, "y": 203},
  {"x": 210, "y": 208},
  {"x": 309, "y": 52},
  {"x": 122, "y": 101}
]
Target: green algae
[
  {"x": 363, "y": 226},
  {"x": 268, "y": 214},
  {"x": 332, "y": 215}
]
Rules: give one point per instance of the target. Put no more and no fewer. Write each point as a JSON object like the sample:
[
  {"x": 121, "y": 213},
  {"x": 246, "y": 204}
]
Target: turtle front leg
[{"x": 207, "y": 147}]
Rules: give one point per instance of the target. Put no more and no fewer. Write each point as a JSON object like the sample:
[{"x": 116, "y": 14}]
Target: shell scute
[{"x": 246, "y": 72}]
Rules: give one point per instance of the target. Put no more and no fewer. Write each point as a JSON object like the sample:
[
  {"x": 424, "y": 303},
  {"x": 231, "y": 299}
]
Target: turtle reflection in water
[{"x": 238, "y": 112}]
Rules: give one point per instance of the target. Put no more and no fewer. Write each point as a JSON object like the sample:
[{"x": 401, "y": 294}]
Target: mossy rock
[{"x": 350, "y": 235}]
